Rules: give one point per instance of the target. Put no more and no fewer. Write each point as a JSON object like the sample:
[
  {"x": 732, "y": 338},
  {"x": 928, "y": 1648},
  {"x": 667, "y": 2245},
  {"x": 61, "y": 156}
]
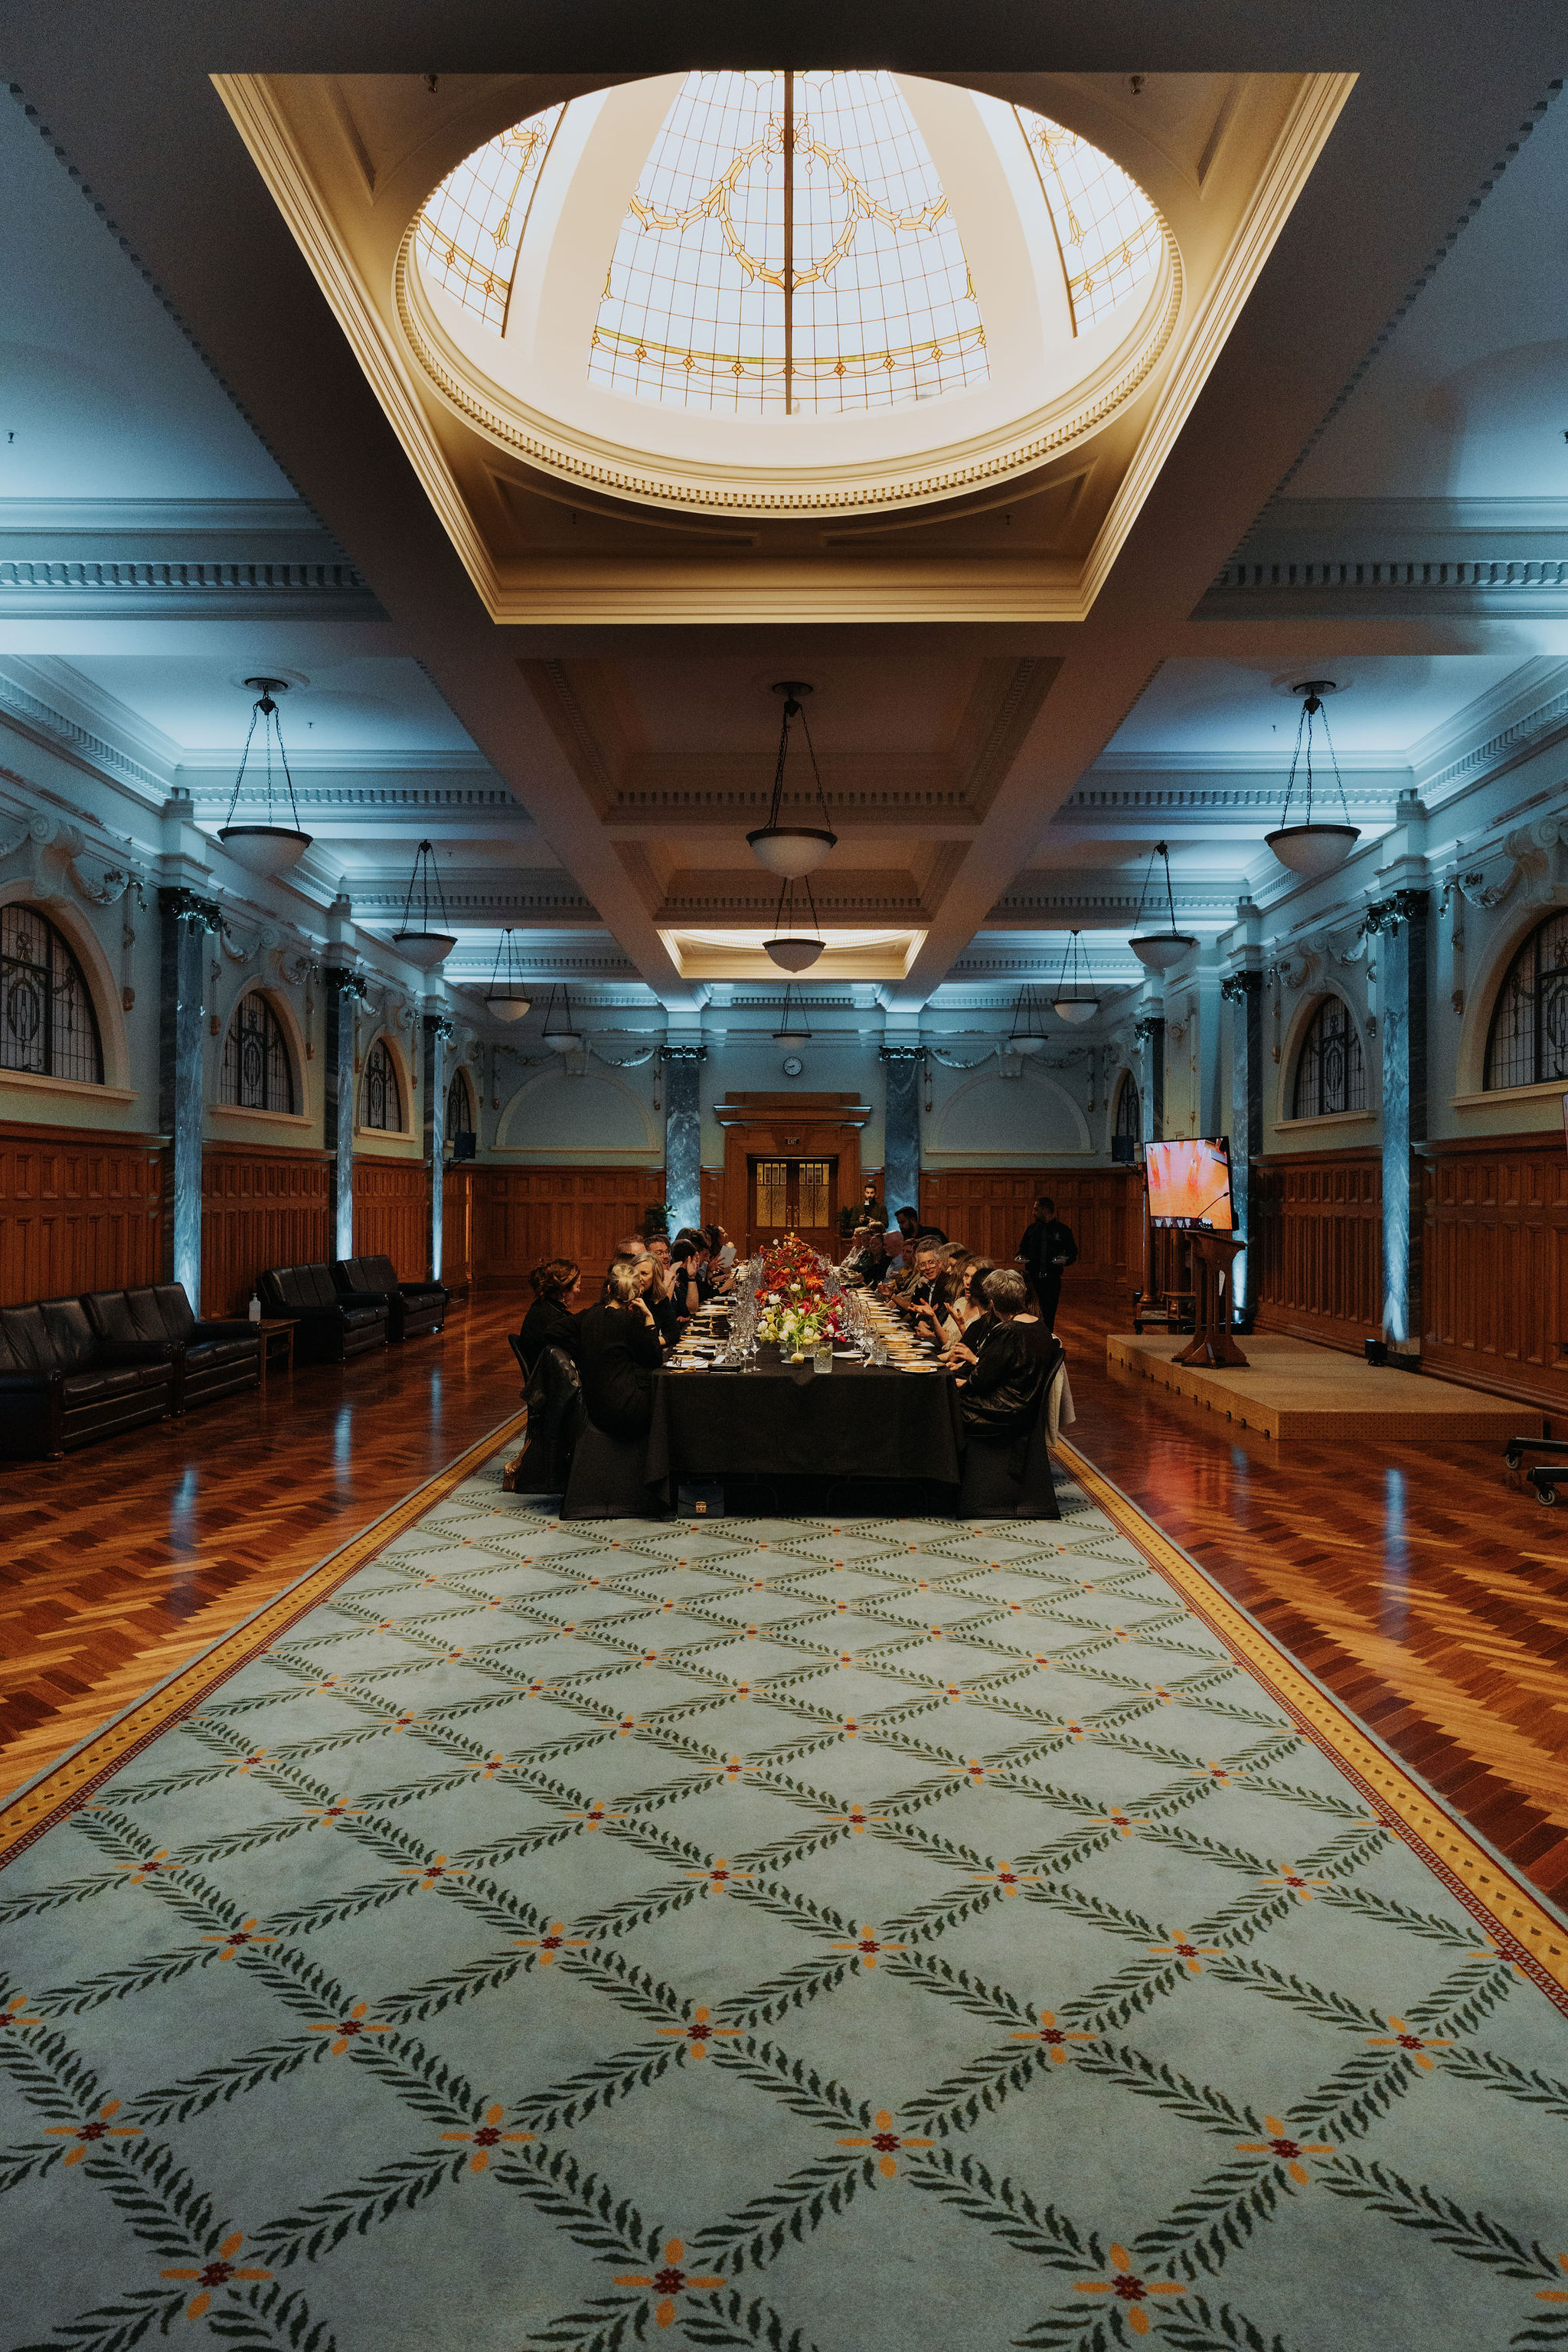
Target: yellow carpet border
[
  {"x": 62, "y": 1787},
  {"x": 1525, "y": 1929}
]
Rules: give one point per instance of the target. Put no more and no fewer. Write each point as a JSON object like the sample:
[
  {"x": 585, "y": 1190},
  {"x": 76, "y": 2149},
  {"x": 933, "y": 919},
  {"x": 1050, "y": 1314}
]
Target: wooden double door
[{"x": 786, "y": 1195}]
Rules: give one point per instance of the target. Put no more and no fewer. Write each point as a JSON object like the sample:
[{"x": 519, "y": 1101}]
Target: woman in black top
[
  {"x": 1000, "y": 1397},
  {"x": 550, "y": 1322},
  {"x": 619, "y": 1355}
]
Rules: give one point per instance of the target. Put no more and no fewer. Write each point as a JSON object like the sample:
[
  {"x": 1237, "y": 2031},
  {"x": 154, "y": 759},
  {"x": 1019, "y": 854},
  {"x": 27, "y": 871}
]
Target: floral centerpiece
[{"x": 792, "y": 1293}]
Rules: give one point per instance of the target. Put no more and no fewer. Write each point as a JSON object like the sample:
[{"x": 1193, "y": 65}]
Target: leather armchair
[
  {"x": 62, "y": 1384},
  {"x": 210, "y": 1359},
  {"x": 413, "y": 1307},
  {"x": 331, "y": 1328}
]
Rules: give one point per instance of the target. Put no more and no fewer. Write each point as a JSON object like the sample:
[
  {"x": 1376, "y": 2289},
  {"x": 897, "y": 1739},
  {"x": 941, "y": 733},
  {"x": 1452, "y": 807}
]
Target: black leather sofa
[
  {"x": 62, "y": 1384},
  {"x": 413, "y": 1307},
  {"x": 210, "y": 1359},
  {"x": 331, "y": 1327}
]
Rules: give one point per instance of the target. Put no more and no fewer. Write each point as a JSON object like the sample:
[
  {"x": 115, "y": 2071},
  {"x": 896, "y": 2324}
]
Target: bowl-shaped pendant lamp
[
  {"x": 791, "y": 949},
  {"x": 1159, "y": 950},
  {"x": 417, "y": 943},
  {"x": 1028, "y": 1034},
  {"x": 792, "y": 851},
  {"x": 793, "y": 954},
  {"x": 504, "y": 997},
  {"x": 560, "y": 1034},
  {"x": 1070, "y": 1003},
  {"x": 268, "y": 850},
  {"x": 1310, "y": 847},
  {"x": 793, "y": 1028}
]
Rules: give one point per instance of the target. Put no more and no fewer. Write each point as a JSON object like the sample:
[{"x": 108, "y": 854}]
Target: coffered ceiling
[{"x": 210, "y": 468}]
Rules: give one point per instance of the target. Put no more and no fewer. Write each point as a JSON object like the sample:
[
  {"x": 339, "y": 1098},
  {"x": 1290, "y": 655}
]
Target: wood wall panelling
[
  {"x": 1316, "y": 1247},
  {"x": 458, "y": 1228},
  {"x": 988, "y": 1209},
  {"x": 260, "y": 1208},
  {"x": 1495, "y": 1264},
  {"x": 392, "y": 1214},
  {"x": 79, "y": 1211},
  {"x": 522, "y": 1216}
]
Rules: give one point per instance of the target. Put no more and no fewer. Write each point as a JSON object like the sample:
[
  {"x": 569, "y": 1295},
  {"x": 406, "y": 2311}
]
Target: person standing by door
[{"x": 1046, "y": 1252}]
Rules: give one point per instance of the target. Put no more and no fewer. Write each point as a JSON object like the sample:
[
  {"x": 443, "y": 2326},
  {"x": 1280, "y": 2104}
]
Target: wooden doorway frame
[{"x": 787, "y": 1127}]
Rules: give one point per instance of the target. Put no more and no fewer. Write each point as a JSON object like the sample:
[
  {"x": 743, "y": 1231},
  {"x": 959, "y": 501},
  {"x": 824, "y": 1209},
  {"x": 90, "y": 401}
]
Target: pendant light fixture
[
  {"x": 791, "y": 949},
  {"x": 792, "y": 849},
  {"x": 793, "y": 1028},
  {"x": 1159, "y": 950},
  {"x": 1312, "y": 849},
  {"x": 267, "y": 850},
  {"x": 1069, "y": 1004},
  {"x": 1028, "y": 1034},
  {"x": 424, "y": 947},
  {"x": 504, "y": 997},
  {"x": 560, "y": 1033}
]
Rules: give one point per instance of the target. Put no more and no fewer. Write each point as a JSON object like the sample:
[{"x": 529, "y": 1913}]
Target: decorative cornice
[
  {"x": 1515, "y": 579},
  {"x": 35, "y": 586},
  {"x": 58, "y": 733}
]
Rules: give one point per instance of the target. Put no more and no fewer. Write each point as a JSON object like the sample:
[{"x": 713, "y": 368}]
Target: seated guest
[
  {"x": 1000, "y": 1395},
  {"x": 619, "y": 1354},
  {"x": 550, "y": 1322},
  {"x": 720, "y": 1260},
  {"x": 968, "y": 1306},
  {"x": 659, "y": 1299},
  {"x": 859, "y": 1262},
  {"x": 685, "y": 1262},
  {"x": 922, "y": 1288}
]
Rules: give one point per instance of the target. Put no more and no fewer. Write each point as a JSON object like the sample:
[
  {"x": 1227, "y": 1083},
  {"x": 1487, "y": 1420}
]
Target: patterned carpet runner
[{"x": 876, "y": 1936}]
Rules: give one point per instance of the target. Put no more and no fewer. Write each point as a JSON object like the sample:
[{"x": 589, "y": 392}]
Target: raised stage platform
[{"x": 1294, "y": 1389}]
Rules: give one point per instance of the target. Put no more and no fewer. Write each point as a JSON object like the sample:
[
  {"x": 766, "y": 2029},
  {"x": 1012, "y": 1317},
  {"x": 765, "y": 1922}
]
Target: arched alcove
[{"x": 558, "y": 1116}]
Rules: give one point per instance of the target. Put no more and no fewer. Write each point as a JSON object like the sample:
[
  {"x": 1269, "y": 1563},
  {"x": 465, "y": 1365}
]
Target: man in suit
[{"x": 1046, "y": 1252}]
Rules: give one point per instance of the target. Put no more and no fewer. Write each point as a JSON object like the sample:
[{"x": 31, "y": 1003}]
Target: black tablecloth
[{"x": 785, "y": 1421}]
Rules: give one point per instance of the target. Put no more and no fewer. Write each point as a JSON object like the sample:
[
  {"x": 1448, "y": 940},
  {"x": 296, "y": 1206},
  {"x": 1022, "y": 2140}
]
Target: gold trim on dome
[
  {"x": 1528, "y": 1932},
  {"x": 575, "y": 460}
]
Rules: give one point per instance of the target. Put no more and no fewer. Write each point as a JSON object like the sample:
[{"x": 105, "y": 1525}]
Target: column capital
[
  {"x": 1236, "y": 986},
  {"x": 188, "y": 906},
  {"x": 683, "y": 1052}
]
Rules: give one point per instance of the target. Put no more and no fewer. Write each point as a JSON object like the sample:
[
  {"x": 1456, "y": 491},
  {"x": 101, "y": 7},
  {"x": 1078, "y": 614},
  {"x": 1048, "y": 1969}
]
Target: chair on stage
[
  {"x": 607, "y": 1480},
  {"x": 556, "y": 1422},
  {"x": 1010, "y": 1478}
]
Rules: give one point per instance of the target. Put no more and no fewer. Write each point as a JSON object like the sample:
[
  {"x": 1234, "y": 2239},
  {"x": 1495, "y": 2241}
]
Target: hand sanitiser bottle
[{"x": 254, "y": 1309}]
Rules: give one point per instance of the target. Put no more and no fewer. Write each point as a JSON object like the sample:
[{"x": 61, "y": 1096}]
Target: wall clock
[{"x": 793, "y": 1065}]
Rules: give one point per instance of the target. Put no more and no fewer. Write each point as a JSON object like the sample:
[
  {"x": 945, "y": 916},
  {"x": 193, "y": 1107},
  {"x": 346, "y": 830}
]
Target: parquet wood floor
[
  {"x": 1421, "y": 1586},
  {"x": 126, "y": 1560}
]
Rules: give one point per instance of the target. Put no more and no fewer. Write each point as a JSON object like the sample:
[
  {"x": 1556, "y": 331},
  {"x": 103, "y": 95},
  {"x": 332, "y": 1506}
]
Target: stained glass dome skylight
[
  {"x": 837, "y": 257},
  {"x": 762, "y": 289}
]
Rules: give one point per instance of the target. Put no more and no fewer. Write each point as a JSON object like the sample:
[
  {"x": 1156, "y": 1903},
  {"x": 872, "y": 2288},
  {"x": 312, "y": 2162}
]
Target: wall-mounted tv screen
[{"x": 1189, "y": 1184}]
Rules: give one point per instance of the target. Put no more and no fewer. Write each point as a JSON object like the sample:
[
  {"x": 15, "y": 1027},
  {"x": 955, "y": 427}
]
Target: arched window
[
  {"x": 256, "y": 1073},
  {"x": 459, "y": 1106},
  {"x": 1527, "y": 1042},
  {"x": 381, "y": 1098},
  {"x": 1330, "y": 1073},
  {"x": 1128, "y": 1127},
  {"x": 48, "y": 1023}
]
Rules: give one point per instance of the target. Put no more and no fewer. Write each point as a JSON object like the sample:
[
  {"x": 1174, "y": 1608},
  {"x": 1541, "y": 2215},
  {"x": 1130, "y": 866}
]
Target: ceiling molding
[
  {"x": 56, "y": 732},
  {"x": 38, "y": 588}
]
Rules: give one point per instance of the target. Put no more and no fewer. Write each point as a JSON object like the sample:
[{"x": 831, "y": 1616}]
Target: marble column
[
  {"x": 437, "y": 1029},
  {"x": 1150, "y": 1034},
  {"x": 1243, "y": 991},
  {"x": 1403, "y": 923},
  {"x": 683, "y": 1133},
  {"x": 902, "y": 1067},
  {"x": 339, "y": 1083},
  {"x": 184, "y": 920}
]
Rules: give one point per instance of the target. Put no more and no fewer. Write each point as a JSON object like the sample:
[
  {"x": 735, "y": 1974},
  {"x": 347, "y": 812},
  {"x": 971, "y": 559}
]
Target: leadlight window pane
[
  {"x": 1110, "y": 233},
  {"x": 692, "y": 314},
  {"x": 813, "y": 1186},
  {"x": 47, "y": 1022},
  {"x": 1129, "y": 1110},
  {"x": 256, "y": 1073},
  {"x": 1331, "y": 1071},
  {"x": 381, "y": 1096},
  {"x": 1528, "y": 1043},
  {"x": 470, "y": 228},
  {"x": 772, "y": 1193},
  {"x": 459, "y": 1106}
]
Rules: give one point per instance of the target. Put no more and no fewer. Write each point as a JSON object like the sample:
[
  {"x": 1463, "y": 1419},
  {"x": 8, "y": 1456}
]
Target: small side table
[{"x": 277, "y": 1332}]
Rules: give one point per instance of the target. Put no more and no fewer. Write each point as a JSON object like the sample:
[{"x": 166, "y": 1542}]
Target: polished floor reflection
[{"x": 1419, "y": 1583}]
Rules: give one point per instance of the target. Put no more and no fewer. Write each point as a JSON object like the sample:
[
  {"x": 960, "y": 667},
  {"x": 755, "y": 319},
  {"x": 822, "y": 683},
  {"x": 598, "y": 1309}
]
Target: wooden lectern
[{"x": 1214, "y": 1255}]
